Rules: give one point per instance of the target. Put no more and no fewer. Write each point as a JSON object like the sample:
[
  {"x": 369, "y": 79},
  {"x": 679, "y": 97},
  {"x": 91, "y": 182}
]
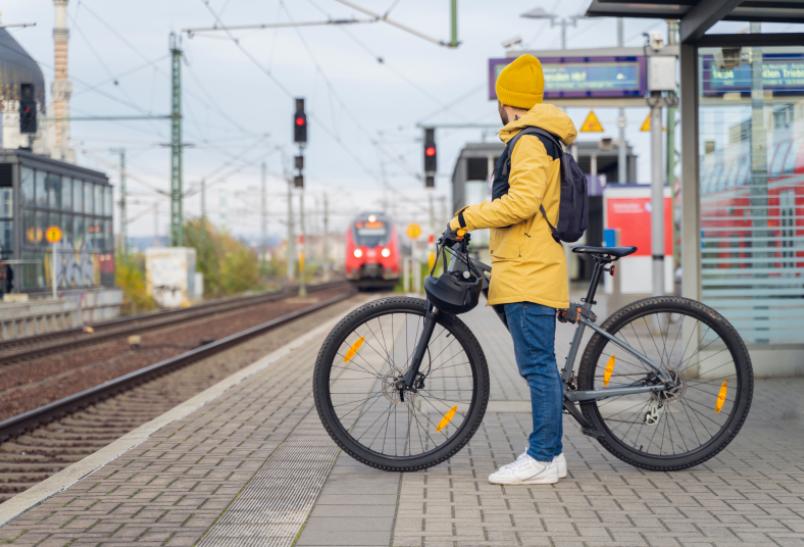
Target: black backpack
[{"x": 573, "y": 208}]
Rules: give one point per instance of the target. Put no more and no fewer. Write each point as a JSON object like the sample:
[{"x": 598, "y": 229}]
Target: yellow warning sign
[
  {"x": 53, "y": 234},
  {"x": 645, "y": 127},
  {"x": 414, "y": 231},
  {"x": 591, "y": 124},
  {"x": 34, "y": 234}
]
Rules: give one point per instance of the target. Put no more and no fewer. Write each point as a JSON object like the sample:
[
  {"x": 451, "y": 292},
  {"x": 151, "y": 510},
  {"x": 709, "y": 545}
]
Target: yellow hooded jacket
[{"x": 528, "y": 264}]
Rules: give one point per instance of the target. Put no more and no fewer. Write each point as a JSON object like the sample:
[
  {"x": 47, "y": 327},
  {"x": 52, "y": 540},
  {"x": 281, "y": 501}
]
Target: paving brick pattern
[
  {"x": 753, "y": 493},
  {"x": 256, "y": 468},
  {"x": 174, "y": 488}
]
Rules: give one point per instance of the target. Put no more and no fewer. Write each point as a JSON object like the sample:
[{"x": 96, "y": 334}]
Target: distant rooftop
[{"x": 17, "y": 67}]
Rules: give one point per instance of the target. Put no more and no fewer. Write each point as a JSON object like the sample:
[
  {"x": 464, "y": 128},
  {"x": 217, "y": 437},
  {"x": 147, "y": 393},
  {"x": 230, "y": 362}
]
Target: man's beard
[{"x": 503, "y": 115}]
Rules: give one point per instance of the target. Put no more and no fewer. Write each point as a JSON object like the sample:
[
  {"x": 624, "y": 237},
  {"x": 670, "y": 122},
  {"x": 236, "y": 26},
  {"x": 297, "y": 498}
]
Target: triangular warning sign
[
  {"x": 591, "y": 124},
  {"x": 645, "y": 127}
]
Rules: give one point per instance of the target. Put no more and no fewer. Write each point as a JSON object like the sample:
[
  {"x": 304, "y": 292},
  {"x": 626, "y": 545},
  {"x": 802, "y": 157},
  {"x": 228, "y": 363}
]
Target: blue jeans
[{"x": 533, "y": 328}]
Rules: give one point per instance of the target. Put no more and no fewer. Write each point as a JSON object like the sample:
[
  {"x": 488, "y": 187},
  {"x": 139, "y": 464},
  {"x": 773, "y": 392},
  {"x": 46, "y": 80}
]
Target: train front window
[{"x": 370, "y": 233}]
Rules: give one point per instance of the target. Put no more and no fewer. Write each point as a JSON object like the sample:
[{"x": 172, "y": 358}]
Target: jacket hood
[{"x": 545, "y": 116}]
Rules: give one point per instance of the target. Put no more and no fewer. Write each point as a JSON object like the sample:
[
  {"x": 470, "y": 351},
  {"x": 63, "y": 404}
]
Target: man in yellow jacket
[{"x": 529, "y": 270}]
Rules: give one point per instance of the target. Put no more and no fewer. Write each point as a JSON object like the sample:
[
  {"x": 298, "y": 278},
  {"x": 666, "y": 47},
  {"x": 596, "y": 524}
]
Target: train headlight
[
  {"x": 386, "y": 252},
  {"x": 358, "y": 253}
]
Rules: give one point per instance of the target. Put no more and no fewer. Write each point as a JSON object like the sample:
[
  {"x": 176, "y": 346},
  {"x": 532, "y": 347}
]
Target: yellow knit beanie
[{"x": 521, "y": 83}]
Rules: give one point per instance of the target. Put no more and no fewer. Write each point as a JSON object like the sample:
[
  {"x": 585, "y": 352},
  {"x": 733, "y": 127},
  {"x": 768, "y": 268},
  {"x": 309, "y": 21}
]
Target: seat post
[{"x": 597, "y": 271}]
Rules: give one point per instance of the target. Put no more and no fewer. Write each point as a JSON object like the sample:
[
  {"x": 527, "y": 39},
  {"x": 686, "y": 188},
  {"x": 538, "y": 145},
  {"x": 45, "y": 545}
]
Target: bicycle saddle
[{"x": 617, "y": 252}]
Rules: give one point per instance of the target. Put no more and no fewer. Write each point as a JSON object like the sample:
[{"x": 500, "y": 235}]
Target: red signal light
[
  {"x": 430, "y": 151},
  {"x": 300, "y": 121}
]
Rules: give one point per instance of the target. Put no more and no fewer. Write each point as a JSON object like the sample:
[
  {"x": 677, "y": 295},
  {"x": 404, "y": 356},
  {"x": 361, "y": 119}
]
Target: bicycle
[{"x": 395, "y": 391}]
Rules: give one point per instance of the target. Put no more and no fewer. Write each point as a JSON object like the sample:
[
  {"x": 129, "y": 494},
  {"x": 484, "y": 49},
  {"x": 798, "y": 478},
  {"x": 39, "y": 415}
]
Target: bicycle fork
[{"x": 409, "y": 378}]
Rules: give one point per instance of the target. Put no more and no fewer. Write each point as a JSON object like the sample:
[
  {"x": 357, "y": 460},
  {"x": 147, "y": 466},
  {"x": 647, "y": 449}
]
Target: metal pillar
[
  {"x": 204, "y": 200},
  {"x": 302, "y": 287},
  {"x": 622, "y": 158},
  {"x": 291, "y": 251},
  {"x": 453, "y": 40},
  {"x": 176, "y": 191},
  {"x": 690, "y": 205},
  {"x": 657, "y": 194},
  {"x": 325, "y": 259},
  {"x": 263, "y": 215},
  {"x": 670, "y": 145},
  {"x": 123, "y": 244}
]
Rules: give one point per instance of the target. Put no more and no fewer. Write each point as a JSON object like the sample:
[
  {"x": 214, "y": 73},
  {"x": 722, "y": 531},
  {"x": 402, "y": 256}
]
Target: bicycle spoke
[
  {"x": 369, "y": 405},
  {"x": 687, "y": 414}
]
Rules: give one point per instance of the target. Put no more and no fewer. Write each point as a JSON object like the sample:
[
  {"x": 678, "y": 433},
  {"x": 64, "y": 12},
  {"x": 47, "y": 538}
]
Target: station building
[{"x": 38, "y": 191}]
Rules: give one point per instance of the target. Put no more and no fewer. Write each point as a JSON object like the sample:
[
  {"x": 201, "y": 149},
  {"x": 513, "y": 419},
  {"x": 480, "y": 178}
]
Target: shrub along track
[{"x": 41, "y": 441}]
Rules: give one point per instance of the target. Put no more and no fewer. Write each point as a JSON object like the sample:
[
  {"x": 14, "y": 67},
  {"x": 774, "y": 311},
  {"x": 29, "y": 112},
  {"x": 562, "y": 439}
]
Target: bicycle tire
[
  {"x": 739, "y": 354},
  {"x": 321, "y": 385}
]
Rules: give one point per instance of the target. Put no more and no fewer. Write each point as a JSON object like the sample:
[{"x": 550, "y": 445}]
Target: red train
[
  {"x": 731, "y": 209},
  {"x": 372, "y": 252}
]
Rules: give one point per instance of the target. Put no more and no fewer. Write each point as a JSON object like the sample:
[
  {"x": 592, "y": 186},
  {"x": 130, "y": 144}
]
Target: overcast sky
[{"x": 238, "y": 102}]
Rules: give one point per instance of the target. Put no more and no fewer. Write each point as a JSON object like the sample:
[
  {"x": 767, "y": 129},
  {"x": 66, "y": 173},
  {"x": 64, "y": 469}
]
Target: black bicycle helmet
[{"x": 455, "y": 292}]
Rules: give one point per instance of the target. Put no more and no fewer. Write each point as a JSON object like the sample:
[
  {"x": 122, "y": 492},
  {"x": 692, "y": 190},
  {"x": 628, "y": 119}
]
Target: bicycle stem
[{"x": 421, "y": 345}]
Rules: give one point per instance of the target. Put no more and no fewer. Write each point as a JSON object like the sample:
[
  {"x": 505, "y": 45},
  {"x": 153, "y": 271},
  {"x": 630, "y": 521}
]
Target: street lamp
[{"x": 555, "y": 21}]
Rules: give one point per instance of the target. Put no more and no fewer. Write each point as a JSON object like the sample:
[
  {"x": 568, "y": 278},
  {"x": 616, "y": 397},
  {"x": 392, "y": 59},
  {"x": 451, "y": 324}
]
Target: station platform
[{"x": 248, "y": 463}]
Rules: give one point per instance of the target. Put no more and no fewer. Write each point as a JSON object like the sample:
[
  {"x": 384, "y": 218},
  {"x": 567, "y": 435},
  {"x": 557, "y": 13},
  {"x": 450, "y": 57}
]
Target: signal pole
[
  {"x": 263, "y": 216},
  {"x": 300, "y": 138},
  {"x": 325, "y": 246},
  {"x": 176, "y": 213},
  {"x": 123, "y": 237},
  {"x": 302, "y": 286},
  {"x": 291, "y": 251},
  {"x": 204, "y": 200}
]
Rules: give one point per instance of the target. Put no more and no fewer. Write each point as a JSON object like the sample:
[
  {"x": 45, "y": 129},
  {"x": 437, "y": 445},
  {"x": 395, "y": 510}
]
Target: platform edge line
[{"x": 71, "y": 474}]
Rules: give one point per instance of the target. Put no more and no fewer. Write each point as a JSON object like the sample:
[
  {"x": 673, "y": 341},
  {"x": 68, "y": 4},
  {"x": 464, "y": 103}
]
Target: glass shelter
[
  {"x": 36, "y": 193},
  {"x": 742, "y": 175}
]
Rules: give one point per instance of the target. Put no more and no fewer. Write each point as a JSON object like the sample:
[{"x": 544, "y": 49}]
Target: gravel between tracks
[
  {"x": 33, "y": 382},
  {"x": 32, "y": 457}
]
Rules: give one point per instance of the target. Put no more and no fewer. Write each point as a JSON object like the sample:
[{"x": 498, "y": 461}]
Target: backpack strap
[{"x": 552, "y": 144}]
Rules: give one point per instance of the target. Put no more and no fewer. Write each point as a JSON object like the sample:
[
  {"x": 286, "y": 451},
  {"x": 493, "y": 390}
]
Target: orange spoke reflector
[
  {"x": 353, "y": 350},
  {"x": 608, "y": 370},
  {"x": 448, "y": 416},
  {"x": 721, "y": 396}
]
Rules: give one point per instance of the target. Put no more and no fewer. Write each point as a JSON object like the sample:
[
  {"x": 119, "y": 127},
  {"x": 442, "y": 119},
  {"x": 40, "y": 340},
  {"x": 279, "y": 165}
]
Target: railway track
[
  {"x": 43, "y": 344},
  {"x": 37, "y": 443}
]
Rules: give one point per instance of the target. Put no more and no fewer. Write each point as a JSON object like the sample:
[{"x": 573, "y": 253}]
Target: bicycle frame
[{"x": 585, "y": 319}]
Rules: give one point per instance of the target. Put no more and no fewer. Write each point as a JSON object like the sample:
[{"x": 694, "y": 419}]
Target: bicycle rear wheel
[
  {"x": 357, "y": 395},
  {"x": 688, "y": 422}
]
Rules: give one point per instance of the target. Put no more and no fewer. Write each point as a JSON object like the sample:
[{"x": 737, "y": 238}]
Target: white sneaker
[
  {"x": 526, "y": 470},
  {"x": 559, "y": 460},
  {"x": 561, "y": 463}
]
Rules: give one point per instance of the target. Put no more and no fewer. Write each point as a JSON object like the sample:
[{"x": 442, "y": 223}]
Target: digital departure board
[
  {"x": 599, "y": 77},
  {"x": 780, "y": 73}
]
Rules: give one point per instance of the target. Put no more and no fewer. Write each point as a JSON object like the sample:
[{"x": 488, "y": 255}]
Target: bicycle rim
[
  {"x": 695, "y": 415},
  {"x": 364, "y": 395}
]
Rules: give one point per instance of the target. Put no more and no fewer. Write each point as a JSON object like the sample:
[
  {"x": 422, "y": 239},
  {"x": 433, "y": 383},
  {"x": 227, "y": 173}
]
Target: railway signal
[
  {"x": 300, "y": 138},
  {"x": 430, "y": 151},
  {"x": 300, "y": 123},
  {"x": 27, "y": 109}
]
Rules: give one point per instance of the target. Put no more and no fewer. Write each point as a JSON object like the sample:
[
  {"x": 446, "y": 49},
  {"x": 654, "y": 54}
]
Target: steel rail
[
  {"x": 38, "y": 345},
  {"x": 15, "y": 425}
]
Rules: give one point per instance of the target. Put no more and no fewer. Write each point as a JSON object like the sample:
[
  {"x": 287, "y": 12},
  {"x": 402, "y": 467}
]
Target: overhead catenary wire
[{"x": 282, "y": 87}]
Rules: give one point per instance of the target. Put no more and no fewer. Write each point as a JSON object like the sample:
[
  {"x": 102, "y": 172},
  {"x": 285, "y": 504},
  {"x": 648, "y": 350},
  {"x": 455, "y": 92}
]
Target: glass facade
[
  {"x": 78, "y": 207},
  {"x": 751, "y": 162}
]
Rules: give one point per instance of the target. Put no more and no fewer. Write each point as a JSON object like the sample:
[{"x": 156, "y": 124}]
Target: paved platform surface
[{"x": 255, "y": 467}]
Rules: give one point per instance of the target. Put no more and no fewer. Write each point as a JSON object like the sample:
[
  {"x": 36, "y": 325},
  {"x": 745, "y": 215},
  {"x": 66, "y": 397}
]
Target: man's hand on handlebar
[{"x": 450, "y": 237}]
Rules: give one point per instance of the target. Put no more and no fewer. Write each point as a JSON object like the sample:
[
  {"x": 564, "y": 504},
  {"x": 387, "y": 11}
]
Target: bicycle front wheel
[
  {"x": 357, "y": 391},
  {"x": 697, "y": 413}
]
